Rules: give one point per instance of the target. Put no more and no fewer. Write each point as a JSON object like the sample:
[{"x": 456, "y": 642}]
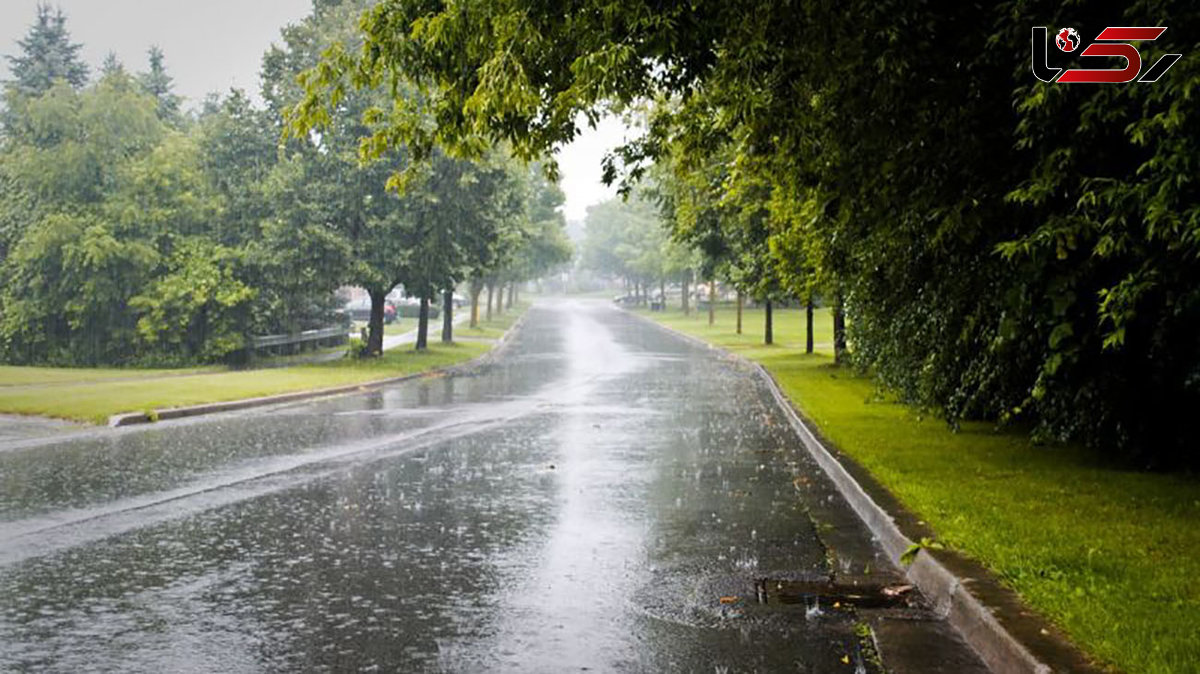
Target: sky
[{"x": 212, "y": 45}]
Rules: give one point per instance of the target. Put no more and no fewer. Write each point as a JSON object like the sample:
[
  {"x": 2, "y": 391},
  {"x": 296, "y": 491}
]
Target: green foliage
[
  {"x": 910, "y": 554},
  {"x": 47, "y": 57},
  {"x": 157, "y": 83},
  {"x": 625, "y": 239},
  {"x": 62, "y": 296},
  {"x": 197, "y": 308},
  {"x": 424, "y": 221},
  {"x": 132, "y": 234}
]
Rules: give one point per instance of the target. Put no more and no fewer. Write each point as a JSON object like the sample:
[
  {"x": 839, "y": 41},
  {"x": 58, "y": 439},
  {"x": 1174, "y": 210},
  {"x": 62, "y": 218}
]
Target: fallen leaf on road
[{"x": 729, "y": 600}]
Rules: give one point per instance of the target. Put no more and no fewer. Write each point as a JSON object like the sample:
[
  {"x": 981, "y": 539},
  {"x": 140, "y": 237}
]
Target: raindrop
[{"x": 814, "y": 611}]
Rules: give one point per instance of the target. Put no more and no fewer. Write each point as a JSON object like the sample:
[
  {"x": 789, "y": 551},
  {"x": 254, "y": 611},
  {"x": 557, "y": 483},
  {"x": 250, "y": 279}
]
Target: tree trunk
[
  {"x": 491, "y": 291},
  {"x": 839, "y": 330},
  {"x": 375, "y": 322},
  {"x": 475, "y": 290},
  {"x": 712, "y": 302},
  {"x": 684, "y": 288},
  {"x": 423, "y": 325},
  {"x": 808, "y": 319},
  {"x": 447, "y": 316},
  {"x": 512, "y": 294},
  {"x": 769, "y": 328},
  {"x": 740, "y": 301},
  {"x": 662, "y": 294},
  {"x": 500, "y": 299}
]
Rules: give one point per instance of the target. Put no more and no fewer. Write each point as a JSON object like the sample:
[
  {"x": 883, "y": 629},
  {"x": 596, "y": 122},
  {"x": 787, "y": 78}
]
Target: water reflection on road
[{"x": 606, "y": 497}]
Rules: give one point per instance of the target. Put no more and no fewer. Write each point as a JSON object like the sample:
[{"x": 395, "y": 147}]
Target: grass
[
  {"x": 92, "y": 395},
  {"x": 493, "y": 329},
  {"x": 19, "y": 375},
  {"x": 1111, "y": 556}
]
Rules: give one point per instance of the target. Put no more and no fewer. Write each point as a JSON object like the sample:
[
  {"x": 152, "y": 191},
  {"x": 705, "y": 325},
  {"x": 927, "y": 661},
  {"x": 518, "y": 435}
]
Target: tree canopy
[{"x": 47, "y": 56}]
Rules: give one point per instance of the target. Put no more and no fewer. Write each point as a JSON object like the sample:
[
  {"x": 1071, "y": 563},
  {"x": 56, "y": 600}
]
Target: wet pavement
[
  {"x": 605, "y": 497},
  {"x": 14, "y": 429}
]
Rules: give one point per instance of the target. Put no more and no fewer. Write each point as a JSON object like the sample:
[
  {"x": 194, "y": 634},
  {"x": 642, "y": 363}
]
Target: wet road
[{"x": 606, "y": 497}]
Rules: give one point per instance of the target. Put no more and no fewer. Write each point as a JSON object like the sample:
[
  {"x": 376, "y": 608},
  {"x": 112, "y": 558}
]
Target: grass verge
[
  {"x": 1111, "y": 556},
  {"x": 493, "y": 329},
  {"x": 20, "y": 375},
  {"x": 94, "y": 395}
]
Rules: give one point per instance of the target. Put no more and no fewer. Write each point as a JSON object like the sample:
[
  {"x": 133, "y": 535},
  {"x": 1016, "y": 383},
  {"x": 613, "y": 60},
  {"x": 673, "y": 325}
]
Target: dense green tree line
[
  {"x": 1002, "y": 247},
  {"x": 132, "y": 232}
]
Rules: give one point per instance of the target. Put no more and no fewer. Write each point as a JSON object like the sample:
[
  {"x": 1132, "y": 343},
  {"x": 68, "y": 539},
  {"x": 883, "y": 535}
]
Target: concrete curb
[
  {"x": 133, "y": 418},
  {"x": 1000, "y": 651}
]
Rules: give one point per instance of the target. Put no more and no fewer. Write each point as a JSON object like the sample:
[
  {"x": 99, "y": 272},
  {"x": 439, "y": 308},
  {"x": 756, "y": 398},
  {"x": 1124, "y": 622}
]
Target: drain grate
[{"x": 803, "y": 592}]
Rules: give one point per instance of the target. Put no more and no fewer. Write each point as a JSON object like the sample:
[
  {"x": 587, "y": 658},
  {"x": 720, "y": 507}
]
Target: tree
[
  {"x": 160, "y": 85},
  {"x": 74, "y": 263},
  {"x": 1109, "y": 294},
  {"x": 342, "y": 205},
  {"x": 112, "y": 66},
  {"x": 47, "y": 56},
  {"x": 117, "y": 245},
  {"x": 624, "y": 239}
]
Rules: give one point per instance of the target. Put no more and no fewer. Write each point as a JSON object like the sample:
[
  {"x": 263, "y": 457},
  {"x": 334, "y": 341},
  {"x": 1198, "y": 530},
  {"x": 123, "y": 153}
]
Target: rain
[{"x": 604, "y": 496}]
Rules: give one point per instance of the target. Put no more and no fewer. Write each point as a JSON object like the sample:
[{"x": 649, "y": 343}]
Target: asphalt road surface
[{"x": 605, "y": 497}]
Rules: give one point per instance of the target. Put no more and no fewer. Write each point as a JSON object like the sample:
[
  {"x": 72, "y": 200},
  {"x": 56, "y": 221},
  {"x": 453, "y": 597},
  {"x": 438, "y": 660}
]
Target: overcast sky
[{"x": 212, "y": 45}]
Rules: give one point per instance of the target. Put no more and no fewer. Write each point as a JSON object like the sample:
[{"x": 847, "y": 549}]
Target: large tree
[
  {"x": 160, "y": 85},
  {"x": 75, "y": 263},
  {"x": 357, "y": 226},
  {"x": 47, "y": 56}
]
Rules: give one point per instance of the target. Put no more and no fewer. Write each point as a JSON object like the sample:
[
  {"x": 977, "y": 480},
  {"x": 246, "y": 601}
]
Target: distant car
[
  {"x": 626, "y": 300},
  {"x": 411, "y": 307},
  {"x": 360, "y": 310}
]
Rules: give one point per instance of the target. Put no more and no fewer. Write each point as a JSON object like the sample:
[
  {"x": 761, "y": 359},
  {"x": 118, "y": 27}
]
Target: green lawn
[
  {"x": 403, "y": 325},
  {"x": 18, "y": 375},
  {"x": 1111, "y": 556},
  {"x": 93, "y": 395},
  {"x": 493, "y": 329}
]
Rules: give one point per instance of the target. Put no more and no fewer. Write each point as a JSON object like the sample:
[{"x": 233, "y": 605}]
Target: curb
[
  {"x": 1000, "y": 651},
  {"x": 134, "y": 418}
]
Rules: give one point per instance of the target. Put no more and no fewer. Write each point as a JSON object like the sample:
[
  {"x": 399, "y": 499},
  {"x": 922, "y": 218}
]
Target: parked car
[
  {"x": 360, "y": 310},
  {"x": 411, "y": 307}
]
